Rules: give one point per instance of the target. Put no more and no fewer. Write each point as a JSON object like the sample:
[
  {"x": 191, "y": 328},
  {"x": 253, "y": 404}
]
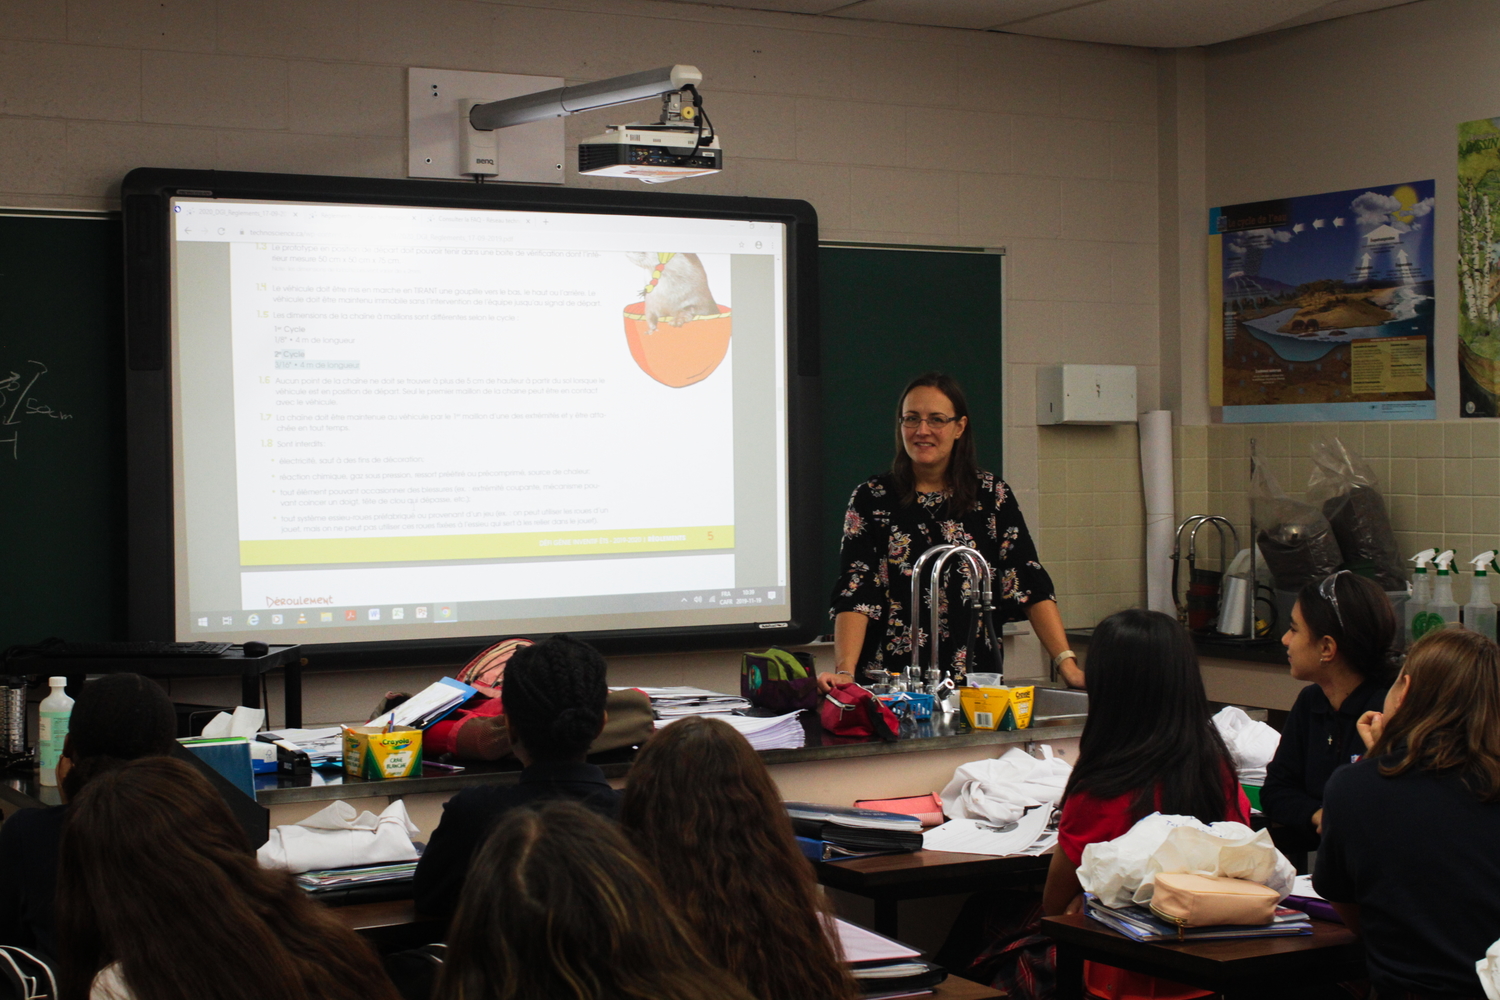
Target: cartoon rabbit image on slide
[{"x": 677, "y": 334}]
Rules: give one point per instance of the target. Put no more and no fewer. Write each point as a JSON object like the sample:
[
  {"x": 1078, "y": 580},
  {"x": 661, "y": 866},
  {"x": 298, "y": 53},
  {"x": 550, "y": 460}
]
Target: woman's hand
[
  {"x": 1370, "y": 725},
  {"x": 839, "y": 678},
  {"x": 1318, "y": 822}
]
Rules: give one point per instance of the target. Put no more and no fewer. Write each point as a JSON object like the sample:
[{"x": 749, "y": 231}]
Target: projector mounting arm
[{"x": 566, "y": 101}]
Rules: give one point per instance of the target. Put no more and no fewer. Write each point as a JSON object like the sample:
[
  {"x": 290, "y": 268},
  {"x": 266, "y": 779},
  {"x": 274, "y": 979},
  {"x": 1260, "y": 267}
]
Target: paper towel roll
[{"x": 1156, "y": 488}]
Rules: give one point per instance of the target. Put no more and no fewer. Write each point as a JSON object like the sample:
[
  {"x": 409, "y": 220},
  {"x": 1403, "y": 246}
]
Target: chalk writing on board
[{"x": 19, "y": 404}]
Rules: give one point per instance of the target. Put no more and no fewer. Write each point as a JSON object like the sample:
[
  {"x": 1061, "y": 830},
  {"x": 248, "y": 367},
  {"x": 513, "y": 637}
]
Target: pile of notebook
[
  {"x": 828, "y": 832},
  {"x": 361, "y": 876},
  {"x": 884, "y": 967},
  {"x": 1139, "y": 924},
  {"x": 776, "y": 732}
]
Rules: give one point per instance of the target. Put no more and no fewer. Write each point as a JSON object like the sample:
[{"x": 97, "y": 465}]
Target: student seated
[
  {"x": 559, "y": 905},
  {"x": 160, "y": 898},
  {"x": 702, "y": 808},
  {"x": 1339, "y": 641},
  {"x": 1149, "y": 745},
  {"x": 1408, "y": 854},
  {"x": 554, "y": 706},
  {"x": 116, "y": 718}
]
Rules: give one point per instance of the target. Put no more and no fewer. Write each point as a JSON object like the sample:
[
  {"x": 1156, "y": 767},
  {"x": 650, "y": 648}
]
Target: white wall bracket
[{"x": 531, "y": 153}]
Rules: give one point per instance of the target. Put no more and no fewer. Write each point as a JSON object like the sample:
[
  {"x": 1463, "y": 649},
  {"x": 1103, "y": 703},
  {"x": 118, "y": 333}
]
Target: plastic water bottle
[
  {"x": 1479, "y": 613},
  {"x": 55, "y": 711}
]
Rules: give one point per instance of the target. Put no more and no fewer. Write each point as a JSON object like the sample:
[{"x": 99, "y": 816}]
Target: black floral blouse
[{"x": 884, "y": 537}]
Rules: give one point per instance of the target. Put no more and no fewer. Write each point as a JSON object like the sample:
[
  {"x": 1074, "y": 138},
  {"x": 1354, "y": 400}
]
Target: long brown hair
[
  {"x": 155, "y": 874},
  {"x": 702, "y": 807},
  {"x": 559, "y": 905},
  {"x": 1450, "y": 717},
  {"x": 963, "y": 461}
]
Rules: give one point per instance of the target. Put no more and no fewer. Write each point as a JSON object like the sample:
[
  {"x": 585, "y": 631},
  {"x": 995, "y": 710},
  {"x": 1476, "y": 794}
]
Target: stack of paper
[
  {"x": 1140, "y": 924},
  {"x": 1034, "y": 833},
  {"x": 778, "y": 732},
  {"x": 322, "y": 746},
  {"x": 344, "y": 878},
  {"x": 673, "y": 702},
  {"x": 428, "y": 705}
]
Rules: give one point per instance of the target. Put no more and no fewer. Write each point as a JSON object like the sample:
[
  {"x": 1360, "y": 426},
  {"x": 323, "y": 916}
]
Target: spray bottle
[
  {"x": 1421, "y": 593},
  {"x": 1479, "y": 613},
  {"x": 1442, "y": 609}
]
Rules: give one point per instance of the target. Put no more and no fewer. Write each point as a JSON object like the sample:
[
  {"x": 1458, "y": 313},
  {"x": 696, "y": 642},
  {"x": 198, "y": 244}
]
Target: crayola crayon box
[
  {"x": 997, "y": 707},
  {"x": 374, "y": 754}
]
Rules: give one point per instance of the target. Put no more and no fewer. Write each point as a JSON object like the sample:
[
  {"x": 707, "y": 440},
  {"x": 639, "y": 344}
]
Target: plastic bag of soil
[
  {"x": 1295, "y": 538},
  {"x": 1344, "y": 486}
]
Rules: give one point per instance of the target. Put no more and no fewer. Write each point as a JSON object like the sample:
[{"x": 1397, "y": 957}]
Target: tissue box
[
  {"x": 997, "y": 707},
  {"x": 376, "y": 755}
]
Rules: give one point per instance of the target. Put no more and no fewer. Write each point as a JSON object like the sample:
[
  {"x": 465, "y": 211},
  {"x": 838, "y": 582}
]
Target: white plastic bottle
[
  {"x": 1443, "y": 608},
  {"x": 1479, "y": 613},
  {"x": 1421, "y": 592},
  {"x": 54, "y": 712}
]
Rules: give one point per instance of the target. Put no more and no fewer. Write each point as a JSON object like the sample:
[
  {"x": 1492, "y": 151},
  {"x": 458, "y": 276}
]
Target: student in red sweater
[{"x": 1149, "y": 745}]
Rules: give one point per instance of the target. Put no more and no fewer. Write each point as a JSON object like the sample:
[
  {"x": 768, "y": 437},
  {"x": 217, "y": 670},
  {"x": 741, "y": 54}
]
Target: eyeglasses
[
  {"x": 1329, "y": 591},
  {"x": 937, "y": 421}
]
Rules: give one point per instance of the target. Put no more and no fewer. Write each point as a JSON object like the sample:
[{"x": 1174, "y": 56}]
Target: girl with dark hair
[
  {"x": 554, "y": 695},
  {"x": 160, "y": 898},
  {"x": 1407, "y": 855},
  {"x": 703, "y": 809},
  {"x": 116, "y": 718},
  {"x": 1339, "y": 641},
  {"x": 559, "y": 905},
  {"x": 1149, "y": 745},
  {"x": 935, "y": 493}
]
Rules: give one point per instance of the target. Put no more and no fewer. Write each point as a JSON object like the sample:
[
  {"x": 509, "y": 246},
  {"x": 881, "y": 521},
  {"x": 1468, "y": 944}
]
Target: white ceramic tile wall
[{"x": 895, "y": 133}]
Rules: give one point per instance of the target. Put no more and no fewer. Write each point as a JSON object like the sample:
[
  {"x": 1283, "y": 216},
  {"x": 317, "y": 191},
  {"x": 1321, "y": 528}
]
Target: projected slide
[{"x": 440, "y": 416}]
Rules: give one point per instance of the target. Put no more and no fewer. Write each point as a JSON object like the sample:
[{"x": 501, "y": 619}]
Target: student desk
[
  {"x": 394, "y": 925},
  {"x": 1246, "y": 966},
  {"x": 889, "y": 878}
]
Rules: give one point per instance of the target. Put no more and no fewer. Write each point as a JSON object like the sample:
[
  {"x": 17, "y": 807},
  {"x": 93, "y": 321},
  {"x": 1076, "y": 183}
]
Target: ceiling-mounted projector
[{"x": 682, "y": 144}]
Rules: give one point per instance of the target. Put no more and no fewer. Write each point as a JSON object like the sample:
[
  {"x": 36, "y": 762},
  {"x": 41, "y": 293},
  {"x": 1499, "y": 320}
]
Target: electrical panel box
[{"x": 1085, "y": 394}]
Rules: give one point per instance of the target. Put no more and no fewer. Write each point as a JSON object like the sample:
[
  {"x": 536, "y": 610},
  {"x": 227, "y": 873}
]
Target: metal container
[{"x": 13, "y": 719}]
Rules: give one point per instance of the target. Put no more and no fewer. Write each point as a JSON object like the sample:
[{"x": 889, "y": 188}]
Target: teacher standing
[{"x": 935, "y": 494}]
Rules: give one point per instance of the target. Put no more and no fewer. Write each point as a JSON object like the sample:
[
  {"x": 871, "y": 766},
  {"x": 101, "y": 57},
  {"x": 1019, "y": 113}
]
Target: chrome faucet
[{"x": 981, "y": 597}]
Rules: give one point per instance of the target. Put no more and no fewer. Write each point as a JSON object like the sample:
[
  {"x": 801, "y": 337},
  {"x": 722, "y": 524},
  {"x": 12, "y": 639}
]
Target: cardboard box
[
  {"x": 993, "y": 708},
  {"x": 376, "y": 755}
]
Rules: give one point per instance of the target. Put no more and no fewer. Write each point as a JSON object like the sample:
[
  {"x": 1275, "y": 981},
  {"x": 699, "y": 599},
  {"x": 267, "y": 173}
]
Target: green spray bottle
[
  {"x": 1479, "y": 613},
  {"x": 1421, "y": 594}
]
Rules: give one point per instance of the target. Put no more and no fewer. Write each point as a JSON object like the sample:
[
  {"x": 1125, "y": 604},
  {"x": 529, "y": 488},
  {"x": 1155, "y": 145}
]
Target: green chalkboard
[
  {"x": 888, "y": 316},
  {"x": 62, "y": 455}
]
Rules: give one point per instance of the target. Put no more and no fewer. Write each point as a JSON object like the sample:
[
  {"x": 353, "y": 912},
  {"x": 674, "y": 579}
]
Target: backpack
[{"x": 779, "y": 679}]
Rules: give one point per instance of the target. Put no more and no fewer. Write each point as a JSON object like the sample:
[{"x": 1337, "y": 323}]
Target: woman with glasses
[
  {"x": 935, "y": 493},
  {"x": 1340, "y": 643}
]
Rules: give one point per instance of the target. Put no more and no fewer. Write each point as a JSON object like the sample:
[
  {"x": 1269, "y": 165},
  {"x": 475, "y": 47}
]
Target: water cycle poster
[
  {"x": 1479, "y": 268},
  {"x": 1321, "y": 307}
]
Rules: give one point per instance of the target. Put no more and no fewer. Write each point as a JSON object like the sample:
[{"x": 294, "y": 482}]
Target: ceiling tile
[
  {"x": 950, "y": 13},
  {"x": 1339, "y": 8},
  {"x": 1164, "y": 23}
]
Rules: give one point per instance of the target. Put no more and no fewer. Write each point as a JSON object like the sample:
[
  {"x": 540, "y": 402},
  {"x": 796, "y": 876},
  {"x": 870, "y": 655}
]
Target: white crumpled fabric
[
  {"x": 1488, "y": 968},
  {"x": 1123, "y": 871},
  {"x": 1251, "y": 743},
  {"x": 1000, "y": 790},
  {"x": 337, "y": 837}
]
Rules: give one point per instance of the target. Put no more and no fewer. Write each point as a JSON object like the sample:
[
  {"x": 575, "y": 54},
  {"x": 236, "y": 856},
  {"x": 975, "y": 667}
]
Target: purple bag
[{"x": 779, "y": 679}]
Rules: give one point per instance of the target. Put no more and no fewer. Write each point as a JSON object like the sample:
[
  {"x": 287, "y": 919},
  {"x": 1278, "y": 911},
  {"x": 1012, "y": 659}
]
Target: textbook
[{"x": 1139, "y": 924}]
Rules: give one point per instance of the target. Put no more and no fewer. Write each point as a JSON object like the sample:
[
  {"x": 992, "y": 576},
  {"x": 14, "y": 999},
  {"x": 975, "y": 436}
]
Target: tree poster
[
  {"x": 1479, "y": 267},
  {"x": 1321, "y": 307}
]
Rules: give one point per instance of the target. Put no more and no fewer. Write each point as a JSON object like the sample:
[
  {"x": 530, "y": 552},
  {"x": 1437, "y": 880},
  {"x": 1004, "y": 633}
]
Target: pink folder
[{"x": 928, "y": 808}]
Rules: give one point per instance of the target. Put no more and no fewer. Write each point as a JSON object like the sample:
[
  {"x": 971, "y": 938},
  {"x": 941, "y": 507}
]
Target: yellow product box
[
  {"x": 374, "y": 754},
  {"x": 997, "y": 707}
]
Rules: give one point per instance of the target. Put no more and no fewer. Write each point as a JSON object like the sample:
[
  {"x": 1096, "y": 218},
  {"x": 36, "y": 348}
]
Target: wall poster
[
  {"x": 1320, "y": 307},
  {"x": 1479, "y": 268}
]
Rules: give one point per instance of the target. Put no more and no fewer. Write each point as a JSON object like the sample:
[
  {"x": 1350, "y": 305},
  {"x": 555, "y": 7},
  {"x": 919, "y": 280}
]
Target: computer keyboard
[{"x": 103, "y": 650}]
